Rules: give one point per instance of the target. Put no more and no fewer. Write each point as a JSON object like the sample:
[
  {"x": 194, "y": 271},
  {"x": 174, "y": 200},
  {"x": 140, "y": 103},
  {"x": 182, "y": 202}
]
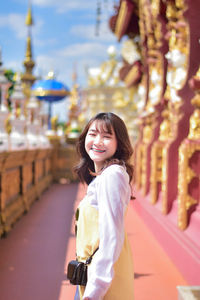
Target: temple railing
[{"x": 26, "y": 174}]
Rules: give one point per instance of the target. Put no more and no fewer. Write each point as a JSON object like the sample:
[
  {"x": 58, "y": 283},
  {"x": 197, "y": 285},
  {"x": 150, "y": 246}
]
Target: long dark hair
[{"x": 85, "y": 168}]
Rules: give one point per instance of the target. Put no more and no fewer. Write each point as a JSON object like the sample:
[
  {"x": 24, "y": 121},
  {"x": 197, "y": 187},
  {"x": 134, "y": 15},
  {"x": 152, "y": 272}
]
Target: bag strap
[{"x": 88, "y": 261}]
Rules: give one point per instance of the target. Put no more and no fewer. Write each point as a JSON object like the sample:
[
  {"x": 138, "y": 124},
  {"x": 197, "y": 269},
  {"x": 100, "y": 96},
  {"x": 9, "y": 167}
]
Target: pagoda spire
[
  {"x": 29, "y": 18},
  {"x": 28, "y": 78}
]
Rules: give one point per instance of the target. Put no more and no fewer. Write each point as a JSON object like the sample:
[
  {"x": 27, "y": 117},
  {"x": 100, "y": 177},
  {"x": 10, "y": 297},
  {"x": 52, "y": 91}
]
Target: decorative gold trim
[
  {"x": 132, "y": 75},
  {"x": 165, "y": 127},
  {"x": 29, "y": 18},
  {"x": 164, "y": 188},
  {"x": 142, "y": 153},
  {"x": 186, "y": 174},
  {"x": 121, "y": 18},
  {"x": 147, "y": 132},
  {"x": 42, "y": 93},
  {"x": 141, "y": 166},
  {"x": 194, "y": 133},
  {"x": 156, "y": 170}
]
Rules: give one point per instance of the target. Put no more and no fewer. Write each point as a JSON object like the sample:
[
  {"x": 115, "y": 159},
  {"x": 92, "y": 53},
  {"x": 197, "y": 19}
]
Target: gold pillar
[{"x": 188, "y": 151}]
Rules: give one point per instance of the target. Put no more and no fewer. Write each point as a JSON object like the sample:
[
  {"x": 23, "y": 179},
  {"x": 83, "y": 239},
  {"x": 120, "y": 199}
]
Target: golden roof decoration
[
  {"x": 29, "y": 18},
  {"x": 107, "y": 74},
  {"x": 130, "y": 51}
]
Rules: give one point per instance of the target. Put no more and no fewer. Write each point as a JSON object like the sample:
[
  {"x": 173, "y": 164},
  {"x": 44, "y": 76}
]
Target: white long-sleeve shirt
[{"x": 109, "y": 193}]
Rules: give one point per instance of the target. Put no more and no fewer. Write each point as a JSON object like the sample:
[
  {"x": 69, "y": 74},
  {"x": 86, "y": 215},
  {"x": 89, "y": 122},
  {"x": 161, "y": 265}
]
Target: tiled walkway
[{"x": 34, "y": 256}]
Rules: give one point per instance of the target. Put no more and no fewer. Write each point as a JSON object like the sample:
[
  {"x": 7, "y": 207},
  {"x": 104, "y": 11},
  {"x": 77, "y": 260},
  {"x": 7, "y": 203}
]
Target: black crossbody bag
[{"x": 77, "y": 271}]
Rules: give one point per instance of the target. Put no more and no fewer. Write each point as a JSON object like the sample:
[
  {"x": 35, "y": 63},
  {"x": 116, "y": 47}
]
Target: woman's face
[{"x": 99, "y": 144}]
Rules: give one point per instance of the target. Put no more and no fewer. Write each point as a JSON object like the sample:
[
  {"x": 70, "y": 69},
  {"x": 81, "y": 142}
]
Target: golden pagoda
[{"x": 28, "y": 78}]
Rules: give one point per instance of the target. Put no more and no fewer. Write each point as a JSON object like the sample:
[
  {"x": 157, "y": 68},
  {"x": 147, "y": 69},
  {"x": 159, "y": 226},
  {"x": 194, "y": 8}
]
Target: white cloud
[
  {"x": 64, "y": 5},
  {"x": 83, "y": 49},
  {"x": 60, "y": 109},
  {"x": 15, "y": 65},
  {"x": 45, "y": 42},
  {"x": 43, "y": 2},
  {"x": 16, "y": 23},
  {"x": 63, "y": 60},
  {"x": 45, "y": 63},
  {"x": 88, "y": 32},
  {"x": 76, "y": 5}
]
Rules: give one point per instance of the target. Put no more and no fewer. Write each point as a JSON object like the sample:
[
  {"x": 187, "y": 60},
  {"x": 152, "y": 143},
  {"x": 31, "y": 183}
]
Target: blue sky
[{"x": 63, "y": 35}]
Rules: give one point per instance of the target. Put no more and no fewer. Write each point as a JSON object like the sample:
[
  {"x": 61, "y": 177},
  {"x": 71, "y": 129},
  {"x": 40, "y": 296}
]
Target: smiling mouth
[{"x": 98, "y": 150}]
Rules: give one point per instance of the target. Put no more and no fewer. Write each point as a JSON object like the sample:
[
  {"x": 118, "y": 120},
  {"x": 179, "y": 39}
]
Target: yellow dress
[{"x": 121, "y": 287}]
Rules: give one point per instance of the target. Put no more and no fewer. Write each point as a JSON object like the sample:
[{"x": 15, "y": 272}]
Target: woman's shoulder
[
  {"x": 114, "y": 168},
  {"x": 114, "y": 171},
  {"x": 115, "y": 179}
]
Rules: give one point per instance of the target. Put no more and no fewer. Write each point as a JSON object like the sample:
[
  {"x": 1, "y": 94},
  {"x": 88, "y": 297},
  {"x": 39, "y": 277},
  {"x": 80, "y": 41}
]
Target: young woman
[{"x": 105, "y": 151}]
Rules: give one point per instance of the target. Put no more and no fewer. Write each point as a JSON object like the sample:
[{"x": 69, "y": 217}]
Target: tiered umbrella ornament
[{"x": 50, "y": 90}]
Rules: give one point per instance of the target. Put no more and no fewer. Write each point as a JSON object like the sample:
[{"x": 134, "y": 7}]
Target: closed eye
[
  {"x": 107, "y": 136},
  {"x": 92, "y": 134}
]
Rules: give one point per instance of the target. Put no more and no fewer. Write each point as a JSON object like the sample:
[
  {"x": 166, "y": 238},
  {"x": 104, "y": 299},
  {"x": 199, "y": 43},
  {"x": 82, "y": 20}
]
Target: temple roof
[{"x": 107, "y": 74}]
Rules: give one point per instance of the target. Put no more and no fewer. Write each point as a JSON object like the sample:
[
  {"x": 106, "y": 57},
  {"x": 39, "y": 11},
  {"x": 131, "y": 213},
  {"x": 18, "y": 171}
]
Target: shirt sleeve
[{"x": 113, "y": 194}]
